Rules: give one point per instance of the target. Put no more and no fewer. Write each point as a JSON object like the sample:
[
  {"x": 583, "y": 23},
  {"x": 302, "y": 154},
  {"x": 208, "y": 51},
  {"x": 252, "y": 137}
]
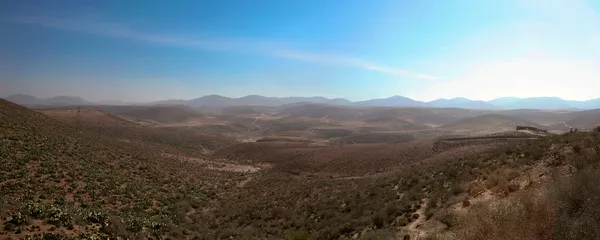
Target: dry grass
[
  {"x": 568, "y": 208},
  {"x": 140, "y": 182},
  {"x": 79, "y": 183}
]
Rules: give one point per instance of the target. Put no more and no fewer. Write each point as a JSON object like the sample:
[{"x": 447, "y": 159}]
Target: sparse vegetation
[
  {"x": 65, "y": 179},
  {"x": 566, "y": 208},
  {"x": 145, "y": 182}
]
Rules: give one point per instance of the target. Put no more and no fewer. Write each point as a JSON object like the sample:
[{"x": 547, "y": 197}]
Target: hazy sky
[{"x": 357, "y": 49}]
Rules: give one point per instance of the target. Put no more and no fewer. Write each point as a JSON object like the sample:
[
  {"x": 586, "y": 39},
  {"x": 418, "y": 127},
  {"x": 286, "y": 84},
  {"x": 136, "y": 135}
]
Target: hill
[
  {"x": 322, "y": 111},
  {"x": 157, "y": 113},
  {"x": 27, "y": 100},
  {"x": 246, "y": 110},
  {"x": 425, "y": 116},
  {"x": 584, "y": 119},
  {"x": 393, "y": 124},
  {"x": 503, "y": 101},
  {"x": 58, "y": 181},
  {"x": 540, "y": 116},
  {"x": 488, "y": 123},
  {"x": 66, "y": 101},
  {"x": 137, "y": 182},
  {"x": 539, "y": 103},
  {"x": 23, "y": 99},
  {"x": 391, "y": 101},
  {"x": 589, "y": 104},
  {"x": 461, "y": 103},
  {"x": 544, "y": 103},
  {"x": 222, "y": 101},
  {"x": 86, "y": 116}
]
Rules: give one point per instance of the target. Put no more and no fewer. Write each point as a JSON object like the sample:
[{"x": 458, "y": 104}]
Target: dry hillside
[
  {"x": 157, "y": 113},
  {"x": 488, "y": 123},
  {"x": 86, "y": 116},
  {"x": 137, "y": 182},
  {"x": 58, "y": 181}
]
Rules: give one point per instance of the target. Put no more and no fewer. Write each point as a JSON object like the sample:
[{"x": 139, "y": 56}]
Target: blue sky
[{"x": 152, "y": 50}]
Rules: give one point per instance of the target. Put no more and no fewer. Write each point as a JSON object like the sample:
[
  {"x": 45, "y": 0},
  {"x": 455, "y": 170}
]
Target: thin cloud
[
  {"x": 351, "y": 62},
  {"x": 119, "y": 31}
]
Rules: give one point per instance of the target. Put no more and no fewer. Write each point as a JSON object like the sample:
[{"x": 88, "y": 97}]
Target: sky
[{"x": 355, "y": 49}]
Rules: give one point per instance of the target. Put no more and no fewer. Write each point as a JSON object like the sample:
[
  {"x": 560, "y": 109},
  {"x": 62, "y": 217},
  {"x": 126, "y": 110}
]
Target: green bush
[
  {"x": 18, "y": 219},
  {"x": 97, "y": 217},
  {"x": 57, "y": 216}
]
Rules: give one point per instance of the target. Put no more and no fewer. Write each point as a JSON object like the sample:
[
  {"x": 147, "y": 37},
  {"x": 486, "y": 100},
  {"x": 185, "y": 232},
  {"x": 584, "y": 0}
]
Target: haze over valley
[
  {"x": 387, "y": 119},
  {"x": 551, "y": 103}
]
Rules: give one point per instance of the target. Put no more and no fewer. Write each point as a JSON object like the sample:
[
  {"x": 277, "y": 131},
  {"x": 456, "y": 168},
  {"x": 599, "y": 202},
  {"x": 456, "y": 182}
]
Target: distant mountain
[
  {"x": 168, "y": 102},
  {"x": 66, "y": 101},
  {"x": 539, "y": 103},
  {"x": 503, "y": 101},
  {"x": 210, "y": 101},
  {"x": 589, "y": 104},
  {"x": 217, "y": 101},
  {"x": 23, "y": 99},
  {"x": 544, "y": 103},
  {"x": 461, "y": 103},
  {"x": 27, "y": 100},
  {"x": 323, "y": 100},
  {"x": 114, "y": 103},
  {"x": 221, "y": 101},
  {"x": 340, "y": 101},
  {"x": 392, "y": 101}
]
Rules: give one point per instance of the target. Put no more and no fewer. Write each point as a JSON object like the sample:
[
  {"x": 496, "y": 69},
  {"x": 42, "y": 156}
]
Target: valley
[
  {"x": 299, "y": 120},
  {"x": 299, "y": 171}
]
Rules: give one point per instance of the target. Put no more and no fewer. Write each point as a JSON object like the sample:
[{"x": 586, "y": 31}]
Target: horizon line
[{"x": 258, "y": 95}]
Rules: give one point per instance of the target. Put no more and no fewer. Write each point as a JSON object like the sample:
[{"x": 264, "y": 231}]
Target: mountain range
[{"x": 222, "y": 101}]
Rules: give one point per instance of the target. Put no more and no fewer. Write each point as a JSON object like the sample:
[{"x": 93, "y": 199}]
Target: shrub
[
  {"x": 47, "y": 236},
  {"x": 476, "y": 187},
  {"x": 377, "y": 220},
  {"x": 511, "y": 174},
  {"x": 378, "y": 234},
  {"x": 392, "y": 211},
  {"x": 35, "y": 210},
  {"x": 18, "y": 219},
  {"x": 134, "y": 224},
  {"x": 57, "y": 216},
  {"x": 446, "y": 217},
  {"x": 492, "y": 181},
  {"x": 457, "y": 189},
  {"x": 97, "y": 217},
  {"x": 576, "y": 149},
  {"x": 296, "y": 235},
  {"x": 403, "y": 221},
  {"x": 568, "y": 209}
]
